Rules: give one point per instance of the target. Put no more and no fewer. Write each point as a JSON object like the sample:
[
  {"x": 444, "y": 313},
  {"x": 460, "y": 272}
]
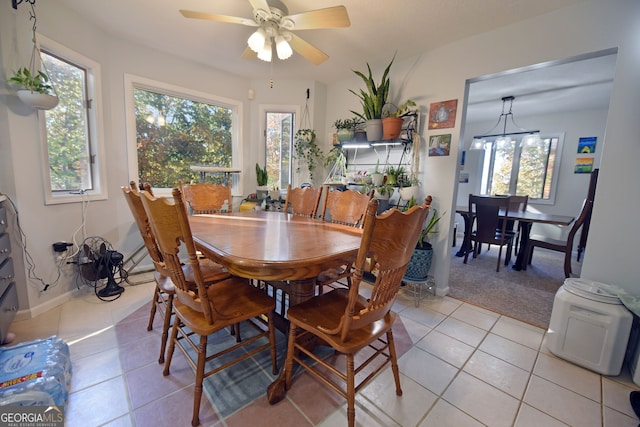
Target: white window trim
[
  {"x": 132, "y": 82},
  {"x": 262, "y": 151},
  {"x": 556, "y": 170},
  {"x": 96, "y": 129}
]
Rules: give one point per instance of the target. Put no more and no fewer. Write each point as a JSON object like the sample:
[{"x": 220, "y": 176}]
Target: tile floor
[{"x": 461, "y": 366}]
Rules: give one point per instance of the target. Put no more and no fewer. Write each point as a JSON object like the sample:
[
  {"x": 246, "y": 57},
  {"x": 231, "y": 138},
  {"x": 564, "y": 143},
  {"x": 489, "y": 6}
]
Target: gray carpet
[{"x": 523, "y": 295}]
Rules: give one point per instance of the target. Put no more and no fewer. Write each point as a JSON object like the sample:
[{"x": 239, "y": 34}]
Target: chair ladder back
[
  {"x": 170, "y": 225},
  {"x": 345, "y": 207},
  {"x": 133, "y": 198},
  {"x": 487, "y": 214},
  {"x": 585, "y": 212},
  {"x": 390, "y": 239},
  {"x": 303, "y": 201}
]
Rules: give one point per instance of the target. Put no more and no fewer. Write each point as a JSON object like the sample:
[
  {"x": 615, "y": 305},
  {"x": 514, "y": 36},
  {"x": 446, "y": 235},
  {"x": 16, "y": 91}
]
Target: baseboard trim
[{"x": 32, "y": 312}]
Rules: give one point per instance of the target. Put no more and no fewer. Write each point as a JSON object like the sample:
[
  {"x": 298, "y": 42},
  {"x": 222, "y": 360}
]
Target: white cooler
[{"x": 589, "y": 326}]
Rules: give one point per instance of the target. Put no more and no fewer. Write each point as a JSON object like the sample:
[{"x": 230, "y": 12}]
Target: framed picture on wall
[
  {"x": 584, "y": 165},
  {"x": 442, "y": 115},
  {"x": 439, "y": 145},
  {"x": 587, "y": 145}
]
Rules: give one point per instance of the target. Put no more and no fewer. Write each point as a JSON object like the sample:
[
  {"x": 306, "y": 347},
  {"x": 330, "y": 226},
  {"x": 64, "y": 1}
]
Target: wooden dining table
[
  {"x": 274, "y": 246},
  {"x": 525, "y": 220}
]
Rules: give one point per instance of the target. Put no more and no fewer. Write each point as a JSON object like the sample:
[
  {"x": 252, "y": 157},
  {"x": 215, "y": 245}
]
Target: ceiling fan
[{"x": 275, "y": 26}]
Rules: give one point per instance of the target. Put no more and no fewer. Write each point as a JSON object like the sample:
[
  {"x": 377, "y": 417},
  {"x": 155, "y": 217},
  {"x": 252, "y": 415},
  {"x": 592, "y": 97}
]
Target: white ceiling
[{"x": 378, "y": 29}]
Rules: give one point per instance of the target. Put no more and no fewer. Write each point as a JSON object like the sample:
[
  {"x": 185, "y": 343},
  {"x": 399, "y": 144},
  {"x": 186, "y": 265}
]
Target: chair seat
[
  {"x": 325, "y": 310},
  {"x": 235, "y": 299}
]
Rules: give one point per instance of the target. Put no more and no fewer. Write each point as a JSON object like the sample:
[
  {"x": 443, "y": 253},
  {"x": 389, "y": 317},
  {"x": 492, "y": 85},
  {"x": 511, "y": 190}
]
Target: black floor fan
[{"x": 98, "y": 261}]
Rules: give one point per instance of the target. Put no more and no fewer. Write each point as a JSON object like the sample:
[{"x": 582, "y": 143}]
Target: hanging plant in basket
[{"x": 306, "y": 150}]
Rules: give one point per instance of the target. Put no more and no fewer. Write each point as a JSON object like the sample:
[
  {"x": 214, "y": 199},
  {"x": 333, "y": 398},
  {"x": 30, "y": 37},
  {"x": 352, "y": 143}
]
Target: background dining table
[{"x": 525, "y": 220}]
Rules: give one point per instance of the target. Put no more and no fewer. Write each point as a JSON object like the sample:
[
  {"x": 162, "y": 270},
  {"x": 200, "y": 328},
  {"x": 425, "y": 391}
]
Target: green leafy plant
[
  {"x": 403, "y": 109},
  {"x": 430, "y": 228},
  {"x": 35, "y": 82},
  {"x": 350, "y": 124},
  {"x": 261, "y": 175},
  {"x": 307, "y": 150},
  {"x": 374, "y": 98}
]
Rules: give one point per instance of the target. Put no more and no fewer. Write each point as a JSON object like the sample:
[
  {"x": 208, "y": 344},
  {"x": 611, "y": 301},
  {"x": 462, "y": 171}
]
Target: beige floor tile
[
  {"x": 482, "y": 401},
  {"x": 446, "y": 348},
  {"x": 509, "y": 351},
  {"x": 444, "y": 414},
  {"x": 616, "y": 396},
  {"x": 367, "y": 415},
  {"x": 461, "y": 331},
  {"x": 475, "y": 316},
  {"x": 427, "y": 317},
  {"x": 406, "y": 410},
  {"x": 613, "y": 418},
  {"x": 85, "y": 373},
  {"x": 498, "y": 373},
  {"x": 427, "y": 370},
  {"x": 41, "y": 326},
  {"x": 568, "y": 375},
  {"x": 416, "y": 330},
  {"x": 444, "y": 305},
  {"x": 91, "y": 343},
  {"x": 124, "y": 421},
  {"x": 520, "y": 332},
  {"x": 563, "y": 404},
  {"x": 98, "y": 404},
  {"x": 531, "y": 417}
]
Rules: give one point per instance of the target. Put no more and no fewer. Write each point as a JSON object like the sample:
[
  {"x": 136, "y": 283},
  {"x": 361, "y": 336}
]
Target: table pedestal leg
[
  {"x": 525, "y": 230},
  {"x": 466, "y": 241}
]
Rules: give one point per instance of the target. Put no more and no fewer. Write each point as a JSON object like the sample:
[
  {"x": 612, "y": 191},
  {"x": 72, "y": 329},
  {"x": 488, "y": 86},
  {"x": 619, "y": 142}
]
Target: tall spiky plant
[{"x": 374, "y": 98}]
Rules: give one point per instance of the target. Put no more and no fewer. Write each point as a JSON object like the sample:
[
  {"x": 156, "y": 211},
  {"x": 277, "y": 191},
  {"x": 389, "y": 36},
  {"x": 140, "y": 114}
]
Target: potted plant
[
  {"x": 377, "y": 177},
  {"x": 408, "y": 187},
  {"x": 420, "y": 262},
  {"x": 307, "y": 150},
  {"x": 345, "y": 128},
  {"x": 393, "y": 173},
  {"x": 36, "y": 89},
  {"x": 262, "y": 178},
  {"x": 372, "y": 101},
  {"x": 393, "y": 120}
]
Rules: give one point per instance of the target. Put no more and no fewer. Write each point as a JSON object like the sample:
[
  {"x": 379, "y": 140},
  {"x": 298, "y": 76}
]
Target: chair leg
[
  {"x": 154, "y": 302},
  {"x": 567, "y": 263},
  {"x": 197, "y": 393},
  {"x": 165, "y": 327},
  {"x": 288, "y": 364},
  {"x": 394, "y": 362},
  {"x": 499, "y": 257},
  {"x": 272, "y": 340},
  {"x": 351, "y": 391},
  {"x": 172, "y": 346}
]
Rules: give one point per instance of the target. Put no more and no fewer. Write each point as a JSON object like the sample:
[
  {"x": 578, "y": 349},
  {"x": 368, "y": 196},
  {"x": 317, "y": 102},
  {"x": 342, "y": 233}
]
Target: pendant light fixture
[{"x": 529, "y": 137}]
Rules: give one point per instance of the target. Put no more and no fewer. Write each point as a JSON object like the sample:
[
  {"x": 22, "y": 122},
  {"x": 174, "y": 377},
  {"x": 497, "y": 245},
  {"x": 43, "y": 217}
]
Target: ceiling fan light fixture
[
  {"x": 265, "y": 52},
  {"x": 257, "y": 40},
  {"x": 283, "y": 48}
]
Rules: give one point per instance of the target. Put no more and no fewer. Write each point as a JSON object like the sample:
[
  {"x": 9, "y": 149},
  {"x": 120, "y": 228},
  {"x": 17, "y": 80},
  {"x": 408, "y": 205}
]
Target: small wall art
[
  {"x": 587, "y": 145},
  {"x": 584, "y": 165},
  {"x": 439, "y": 145},
  {"x": 442, "y": 115}
]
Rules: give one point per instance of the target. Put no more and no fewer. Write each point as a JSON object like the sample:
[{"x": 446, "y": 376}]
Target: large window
[
  {"x": 175, "y": 129},
  {"x": 72, "y": 150},
  {"x": 522, "y": 169}
]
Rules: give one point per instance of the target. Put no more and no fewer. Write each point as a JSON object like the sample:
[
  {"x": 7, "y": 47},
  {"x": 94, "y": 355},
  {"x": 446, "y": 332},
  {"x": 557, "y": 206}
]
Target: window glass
[
  {"x": 279, "y": 139},
  {"x": 175, "y": 132}
]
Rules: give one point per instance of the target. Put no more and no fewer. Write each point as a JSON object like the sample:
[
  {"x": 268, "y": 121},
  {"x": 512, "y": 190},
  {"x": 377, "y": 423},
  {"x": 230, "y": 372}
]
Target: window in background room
[
  {"x": 72, "y": 130},
  {"x": 176, "y": 131},
  {"x": 528, "y": 170},
  {"x": 279, "y": 140}
]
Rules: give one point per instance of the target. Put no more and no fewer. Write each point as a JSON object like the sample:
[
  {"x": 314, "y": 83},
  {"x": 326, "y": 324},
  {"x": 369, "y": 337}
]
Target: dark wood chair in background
[
  {"x": 565, "y": 246},
  {"x": 487, "y": 212},
  {"x": 165, "y": 290},
  {"x": 349, "y": 322},
  {"x": 210, "y": 309},
  {"x": 206, "y": 198},
  {"x": 346, "y": 207},
  {"x": 516, "y": 204},
  {"x": 591, "y": 194},
  {"x": 303, "y": 201}
]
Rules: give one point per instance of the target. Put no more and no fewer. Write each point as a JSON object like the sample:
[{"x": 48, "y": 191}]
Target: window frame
[
  {"x": 95, "y": 127},
  {"x": 263, "y": 109},
  {"x": 516, "y": 164},
  {"x": 132, "y": 82}
]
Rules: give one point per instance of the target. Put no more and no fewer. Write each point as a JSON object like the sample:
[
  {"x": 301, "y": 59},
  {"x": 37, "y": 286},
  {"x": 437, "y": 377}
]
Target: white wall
[{"x": 441, "y": 74}]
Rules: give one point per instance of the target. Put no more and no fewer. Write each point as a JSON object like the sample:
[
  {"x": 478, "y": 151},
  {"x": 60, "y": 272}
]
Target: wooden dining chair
[
  {"x": 210, "y": 309},
  {"x": 487, "y": 212},
  {"x": 347, "y": 321},
  {"x": 303, "y": 201},
  {"x": 565, "y": 246},
  {"x": 346, "y": 207},
  {"x": 516, "y": 204},
  {"x": 164, "y": 291},
  {"x": 206, "y": 198}
]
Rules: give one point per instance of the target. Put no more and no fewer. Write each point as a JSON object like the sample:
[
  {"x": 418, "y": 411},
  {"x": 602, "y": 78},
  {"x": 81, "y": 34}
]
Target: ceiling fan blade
[
  {"x": 219, "y": 18},
  {"x": 331, "y": 17},
  {"x": 249, "y": 54},
  {"x": 307, "y": 50},
  {"x": 259, "y": 4}
]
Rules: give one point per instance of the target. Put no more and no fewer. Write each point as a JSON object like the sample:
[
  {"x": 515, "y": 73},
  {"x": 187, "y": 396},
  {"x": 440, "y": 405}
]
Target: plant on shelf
[
  {"x": 394, "y": 119},
  {"x": 337, "y": 161},
  {"x": 393, "y": 173},
  {"x": 345, "y": 128},
  {"x": 377, "y": 177},
  {"x": 262, "y": 178},
  {"x": 405, "y": 108},
  {"x": 373, "y": 100},
  {"x": 307, "y": 150}
]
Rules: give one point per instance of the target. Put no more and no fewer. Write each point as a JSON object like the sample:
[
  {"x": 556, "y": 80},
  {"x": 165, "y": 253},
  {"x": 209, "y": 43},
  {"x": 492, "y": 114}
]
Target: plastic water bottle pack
[{"x": 35, "y": 373}]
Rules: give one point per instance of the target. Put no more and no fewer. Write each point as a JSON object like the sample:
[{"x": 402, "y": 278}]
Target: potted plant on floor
[
  {"x": 420, "y": 262},
  {"x": 372, "y": 101}
]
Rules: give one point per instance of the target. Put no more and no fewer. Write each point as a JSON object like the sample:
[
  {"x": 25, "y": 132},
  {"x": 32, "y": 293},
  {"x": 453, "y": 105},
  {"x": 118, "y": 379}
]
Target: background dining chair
[
  {"x": 487, "y": 212},
  {"x": 349, "y": 322},
  {"x": 164, "y": 291},
  {"x": 303, "y": 201},
  {"x": 207, "y": 198},
  {"x": 346, "y": 207},
  {"x": 212, "y": 308},
  {"x": 565, "y": 246},
  {"x": 516, "y": 204}
]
